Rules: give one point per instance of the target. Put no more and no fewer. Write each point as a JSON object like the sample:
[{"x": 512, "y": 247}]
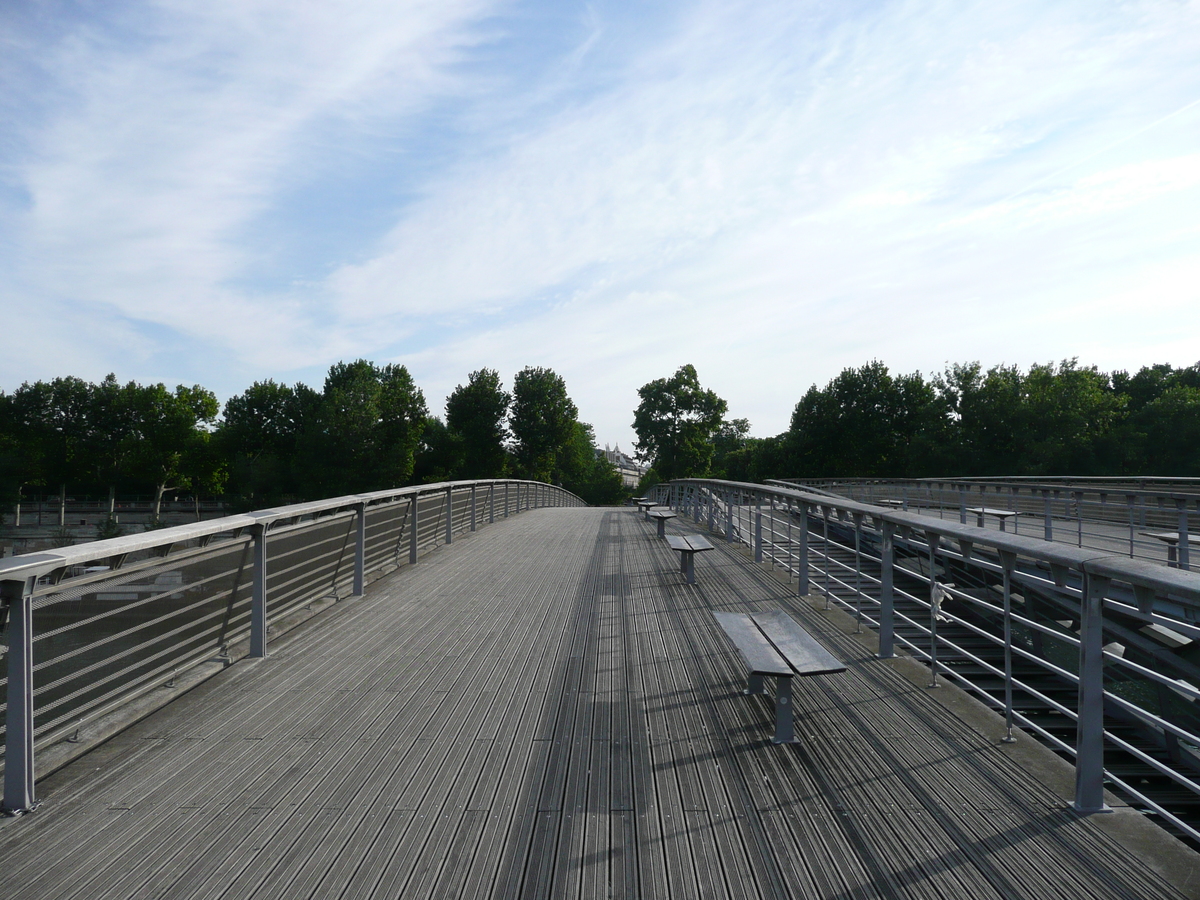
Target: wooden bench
[
  {"x": 645, "y": 506},
  {"x": 661, "y": 515},
  {"x": 688, "y": 546},
  {"x": 771, "y": 643}
]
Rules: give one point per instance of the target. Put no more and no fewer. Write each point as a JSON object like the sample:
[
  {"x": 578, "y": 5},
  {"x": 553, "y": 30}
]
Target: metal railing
[
  {"x": 94, "y": 626},
  {"x": 1143, "y": 518},
  {"x": 1076, "y": 634}
]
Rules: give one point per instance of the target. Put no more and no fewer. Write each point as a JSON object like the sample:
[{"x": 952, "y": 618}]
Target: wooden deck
[{"x": 545, "y": 709}]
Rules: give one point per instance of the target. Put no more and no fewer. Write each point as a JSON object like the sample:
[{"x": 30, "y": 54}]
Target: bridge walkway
[{"x": 545, "y": 709}]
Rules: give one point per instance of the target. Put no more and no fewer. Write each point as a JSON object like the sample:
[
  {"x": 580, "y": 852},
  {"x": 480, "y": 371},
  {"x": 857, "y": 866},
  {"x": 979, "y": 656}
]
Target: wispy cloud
[{"x": 772, "y": 192}]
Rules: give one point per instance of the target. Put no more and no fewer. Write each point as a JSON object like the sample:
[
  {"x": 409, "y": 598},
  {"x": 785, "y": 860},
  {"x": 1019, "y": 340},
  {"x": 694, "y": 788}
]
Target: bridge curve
[{"x": 547, "y": 709}]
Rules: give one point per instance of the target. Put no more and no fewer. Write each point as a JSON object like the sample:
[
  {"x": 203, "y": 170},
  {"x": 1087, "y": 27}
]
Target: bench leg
[
  {"x": 662, "y": 527},
  {"x": 690, "y": 567},
  {"x": 756, "y": 685},
  {"x": 783, "y": 710}
]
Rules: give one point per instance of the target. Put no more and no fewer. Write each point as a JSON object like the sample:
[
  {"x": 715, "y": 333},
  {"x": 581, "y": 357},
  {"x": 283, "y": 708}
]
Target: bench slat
[
  {"x": 760, "y": 657},
  {"x": 800, "y": 648}
]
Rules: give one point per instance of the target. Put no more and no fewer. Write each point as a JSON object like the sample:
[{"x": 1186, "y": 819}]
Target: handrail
[
  {"x": 116, "y": 618},
  {"x": 1094, "y": 579}
]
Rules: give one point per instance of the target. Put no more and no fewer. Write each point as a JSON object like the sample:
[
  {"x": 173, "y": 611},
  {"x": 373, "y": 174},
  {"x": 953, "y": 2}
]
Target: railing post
[
  {"x": 802, "y": 554},
  {"x": 449, "y": 515},
  {"x": 712, "y": 510},
  {"x": 472, "y": 507},
  {"x": 1089, "y": 739},
  {"x": 19, "y": 792},
  {"x": 729, "y": 517},
  {"x": 258, "y": 597},
  {"x": 962, "y": 505},
  {"x": 506, "y": 499},
  {"x": 1008, "y": 560},
  {"x": 491, "y": 503},
  {"x": 360, "y": 550},
  {"x": 412, "y": 534},
  {"x": 1049, "y": 532},
  {"x": 887, "y": 600},
  {"x": 1184, "y": 562},
  {"x": 936, "y": 594},
  {"x": 758, "y": 540},
  {"x": 858, "y": 520}
]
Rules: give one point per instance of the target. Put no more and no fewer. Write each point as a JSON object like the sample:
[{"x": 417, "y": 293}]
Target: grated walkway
[{"x": 545, "y": 709}]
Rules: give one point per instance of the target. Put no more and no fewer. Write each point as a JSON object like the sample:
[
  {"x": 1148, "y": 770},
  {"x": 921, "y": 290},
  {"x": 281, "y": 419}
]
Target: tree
[
  {"x": 542, "y": 421},
  {"x": 173, "y": 445},
  {"x": 583, "y": 471},
  {"x": 439, "y": 455},
  {"x": 260, "y": 434},
  {"x": 365, "y": 432},
  {"x": 475, "y": 414},
  {"x": 676, "y": 422}
]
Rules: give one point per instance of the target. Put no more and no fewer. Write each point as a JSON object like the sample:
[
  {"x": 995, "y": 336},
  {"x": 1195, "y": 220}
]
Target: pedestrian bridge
[{"x": 543, "y": 709}]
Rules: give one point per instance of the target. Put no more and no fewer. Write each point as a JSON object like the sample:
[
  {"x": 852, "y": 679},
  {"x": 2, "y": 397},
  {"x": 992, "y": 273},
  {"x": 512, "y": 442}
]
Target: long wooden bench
[
  {"x": 688, "y": 546},
  {"x": 771, "y": 643}
]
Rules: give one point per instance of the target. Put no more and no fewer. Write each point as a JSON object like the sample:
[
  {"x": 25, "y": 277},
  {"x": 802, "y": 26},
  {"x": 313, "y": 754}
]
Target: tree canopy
[{"x": 676, "y": 423}]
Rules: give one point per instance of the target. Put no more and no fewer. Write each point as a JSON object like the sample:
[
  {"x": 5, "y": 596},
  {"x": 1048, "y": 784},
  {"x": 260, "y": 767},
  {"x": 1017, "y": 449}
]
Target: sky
[{"x": 240, "y": 190}]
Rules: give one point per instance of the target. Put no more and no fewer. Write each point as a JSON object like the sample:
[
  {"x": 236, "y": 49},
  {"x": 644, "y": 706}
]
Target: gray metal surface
[
  {"x": 759, "y": 656},
  {"x": 802, "y": 651},
  {"x": 564, "y": 722}
]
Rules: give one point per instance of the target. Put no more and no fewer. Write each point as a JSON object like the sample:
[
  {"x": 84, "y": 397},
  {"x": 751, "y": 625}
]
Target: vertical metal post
[
  {"x": 491, "y": 502},
  {"x": 887, "y": 598},
  {"x": 412, "y": 533},
  {"x": 506, "y": 499},
  {"x": 783, "y": 710},
  {"x": 1129, "y": 501},
  {"x": 472, "y": 507},
  {"x": 360, "y": 550},
  {"x": 1008, "y": 561},
  {"x": 1079, "y": 514},
  {"x": 934, "y": 606},
  {"x": 1049, "y": 533},
  {"x": 828, "y": 566},
  {"x": 962, "y": 505},
  {"x": 802, "y": 554},
  {"x": 19, "y": 792},
  {"x": 449, "y": 515},
  {"x": 712, "y": 510},
  {"x": 258, "y": 597},
  {"x": 729, "y": 517},
  {"x": 1012, "y": 505},
  {"x": 1089, "y": 740},
  {"x": 758, "y": 540},
  {"x": 858, "y": 519},
  {"x": 1184, "y": 562}
]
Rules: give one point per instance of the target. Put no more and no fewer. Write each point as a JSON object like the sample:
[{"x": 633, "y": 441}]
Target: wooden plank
[
  {"x": 755, "y": 650},
  {"x": 801, "y": 649}
]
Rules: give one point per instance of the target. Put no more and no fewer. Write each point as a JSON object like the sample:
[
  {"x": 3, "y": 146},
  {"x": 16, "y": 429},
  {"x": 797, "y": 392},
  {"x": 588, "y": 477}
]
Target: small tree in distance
[{"x": 475, "y": 415}]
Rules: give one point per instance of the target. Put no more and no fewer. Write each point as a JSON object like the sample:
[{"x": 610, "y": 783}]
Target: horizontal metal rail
[
  {"x": 797, "y": 529},
  {"x": 93, "y": 626}
]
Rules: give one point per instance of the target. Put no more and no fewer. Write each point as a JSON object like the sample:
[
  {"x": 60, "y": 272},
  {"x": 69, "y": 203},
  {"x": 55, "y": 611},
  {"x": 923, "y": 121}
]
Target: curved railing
[
  {"x": 1147, "y": 517},
  {"x": 1119, "y": 684},
  {"x": 93, "y": 627}
]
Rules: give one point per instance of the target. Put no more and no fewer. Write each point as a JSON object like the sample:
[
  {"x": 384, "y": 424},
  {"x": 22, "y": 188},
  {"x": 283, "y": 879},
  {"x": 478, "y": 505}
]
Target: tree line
[
  {"x": 368, "y": 428},
  {"x": 1052, "y": 419}
]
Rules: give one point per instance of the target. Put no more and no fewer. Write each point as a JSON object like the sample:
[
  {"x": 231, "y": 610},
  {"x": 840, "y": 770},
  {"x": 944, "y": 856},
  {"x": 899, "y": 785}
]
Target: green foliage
[
  {"x": 586, "y": 473},
  {"x": 475, "y": 415},
  {"x": 108, "y": 528},
  {"x": 543, "y": 421},
  {"x": 260, "y": 436},
  {"x": 364, "y": 433},
  {"x": 676, "y": 423},
  {"x": 439, "y": 455}
]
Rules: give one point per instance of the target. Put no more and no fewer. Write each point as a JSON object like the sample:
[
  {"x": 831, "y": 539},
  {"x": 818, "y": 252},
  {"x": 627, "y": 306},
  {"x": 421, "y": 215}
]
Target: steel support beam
[
  {"x": 360, "y": 550},
  {"x": 19, "y": 793},
  {"x": 258, "y": 595},
  {"x": 1089, "y": 736}
]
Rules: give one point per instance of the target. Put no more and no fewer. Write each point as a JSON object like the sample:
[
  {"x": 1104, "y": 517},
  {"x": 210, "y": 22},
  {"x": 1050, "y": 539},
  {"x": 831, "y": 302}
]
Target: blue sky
[{"x": 237, "y": 190}]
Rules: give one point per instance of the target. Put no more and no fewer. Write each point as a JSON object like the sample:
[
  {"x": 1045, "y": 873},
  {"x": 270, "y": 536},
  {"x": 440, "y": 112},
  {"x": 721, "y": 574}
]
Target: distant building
[{"x": 631, "y": 471}]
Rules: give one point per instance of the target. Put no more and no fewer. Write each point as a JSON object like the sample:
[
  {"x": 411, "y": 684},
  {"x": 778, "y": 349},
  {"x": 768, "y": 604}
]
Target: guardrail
[
  {"x": 1143, "y": 518},
  {"x": 91, "y": 627},
  {"x": 885, "y": 555}
]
